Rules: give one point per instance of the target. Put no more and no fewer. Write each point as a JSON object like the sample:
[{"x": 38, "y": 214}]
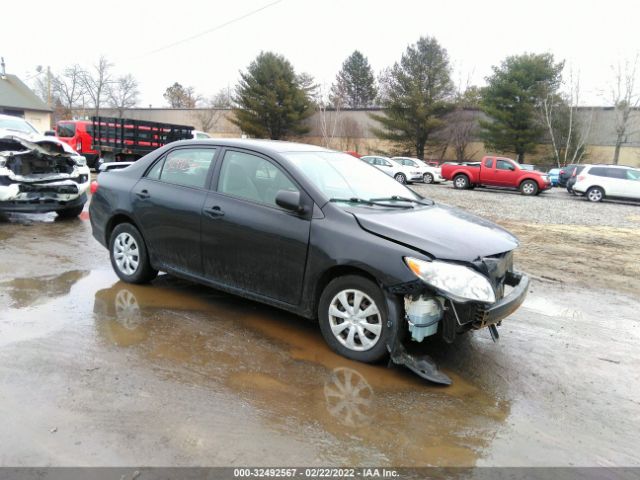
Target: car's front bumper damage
[
  {"x": 35, "y": 178},
  {"x": 448, "y": 317}
]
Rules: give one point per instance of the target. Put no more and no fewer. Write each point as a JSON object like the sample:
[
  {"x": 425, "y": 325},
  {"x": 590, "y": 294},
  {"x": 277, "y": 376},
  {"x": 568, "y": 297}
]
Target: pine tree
[
  {"x": 355, "y": 85},
  {"x": 415, "y": 94},
  {"x": 272, "y": 101},
  {"x": 512, "y": 100}
]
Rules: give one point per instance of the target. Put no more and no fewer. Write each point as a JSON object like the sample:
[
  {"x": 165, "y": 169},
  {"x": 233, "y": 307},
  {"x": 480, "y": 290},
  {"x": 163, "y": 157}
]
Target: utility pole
[{"x": 48, "y": 85}]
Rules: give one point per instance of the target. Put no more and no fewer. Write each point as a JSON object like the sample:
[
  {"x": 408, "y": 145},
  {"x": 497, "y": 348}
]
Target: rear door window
[
  {"x": 488, "y": 163},
  {"x": 188, "y": 167}
]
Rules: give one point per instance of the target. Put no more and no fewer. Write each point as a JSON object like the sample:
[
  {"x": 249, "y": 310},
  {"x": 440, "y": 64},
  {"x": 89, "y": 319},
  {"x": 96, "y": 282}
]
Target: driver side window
[
  {"x": 504, "y": 165},
  {"x": 252, "y": 178}
]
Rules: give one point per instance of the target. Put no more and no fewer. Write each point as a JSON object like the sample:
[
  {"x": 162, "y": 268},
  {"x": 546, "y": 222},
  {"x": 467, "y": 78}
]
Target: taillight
[
  {"x": 94, "y": 187},
  {"x": 561, "y": 172},
  {"x": 574, "y": 173},
  {"x": 79, "y": 146},
  {"x": 581, "y": 178}
]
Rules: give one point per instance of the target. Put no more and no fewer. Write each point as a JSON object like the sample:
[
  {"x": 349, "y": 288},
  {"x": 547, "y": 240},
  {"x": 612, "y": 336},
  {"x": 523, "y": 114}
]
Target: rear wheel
[
  {"x": 461, "y": 182},
  {"x": 529, "y": 187},
  {"x": 129, "y": 257},
  {"x": 595, "y": 194},
  {"x": 400, "y": 178},
  {"x": 427, "y": 178},
  {"x": 353, "y": 319}
]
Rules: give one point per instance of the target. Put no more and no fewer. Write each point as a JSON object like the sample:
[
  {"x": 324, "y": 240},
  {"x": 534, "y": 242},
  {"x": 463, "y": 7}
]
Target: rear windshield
[{"x": 66, "y": 129}]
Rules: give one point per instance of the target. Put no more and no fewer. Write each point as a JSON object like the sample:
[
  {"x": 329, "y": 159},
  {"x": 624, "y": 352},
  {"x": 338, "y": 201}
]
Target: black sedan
[{"x": 315, "y": 232}]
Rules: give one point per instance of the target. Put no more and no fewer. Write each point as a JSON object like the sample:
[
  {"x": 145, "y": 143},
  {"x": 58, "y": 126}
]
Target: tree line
[{"x": 528, "y": 99}]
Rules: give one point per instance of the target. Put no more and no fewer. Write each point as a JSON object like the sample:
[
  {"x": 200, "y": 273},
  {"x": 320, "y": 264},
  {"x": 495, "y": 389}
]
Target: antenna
[{"x": 4, "y": 72}]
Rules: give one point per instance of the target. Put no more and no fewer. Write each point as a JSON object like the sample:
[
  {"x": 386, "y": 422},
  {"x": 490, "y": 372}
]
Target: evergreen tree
[
  {"x": 512, "y": 100},
  {"x": 355, "y": 85},
  {"x": 272, "y": 100},
  {"x": 415, "y": 93}
]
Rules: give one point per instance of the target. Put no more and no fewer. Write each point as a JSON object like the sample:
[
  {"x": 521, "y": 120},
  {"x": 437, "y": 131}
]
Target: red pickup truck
[{"x": 496, "y": 172}]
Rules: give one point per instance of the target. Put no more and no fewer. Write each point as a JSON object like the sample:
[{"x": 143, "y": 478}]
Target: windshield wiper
[
  {"x": 362, "y": 201},
  {"x": 398, "y": 198}
]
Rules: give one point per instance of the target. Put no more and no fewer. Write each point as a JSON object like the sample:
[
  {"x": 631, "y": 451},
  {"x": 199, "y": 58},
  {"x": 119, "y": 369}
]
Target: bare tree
[
  {"x": 568, "y": 132},
  {"x": 181, "y": 97},
  {"x": 123, "y": 93},
  {"x": 626, "y": 97},
  {"x": 351, "y": 134},
  {"x": 69, "y": 88},
  {"x": 214, "y": 109},
  {"x": 328, "y": 109},
  {"x": 97, "y": 82}
]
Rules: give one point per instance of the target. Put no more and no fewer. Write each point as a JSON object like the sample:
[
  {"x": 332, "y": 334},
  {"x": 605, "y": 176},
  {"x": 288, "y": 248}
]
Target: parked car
[
  {"x": 364, "y": 255},
  {"x": 199, "y": 135},
  {"x": 353, "y": 154},
  {"x": 565, "y": 174},
  {"x": 429, "y": 174},
  {"x": 496, "y": 172},
  {"x": 79, "y": 135},
  {"x": 39, "y": 173},
  {"x": 598, "y": 182},
  {"x": 572, "y": 179},
  {"x": 554, "y": 173},
  {"x": 394, "y": 169}
]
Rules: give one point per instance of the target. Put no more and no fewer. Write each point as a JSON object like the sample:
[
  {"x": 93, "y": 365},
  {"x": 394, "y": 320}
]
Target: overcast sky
[{"x": 315, "y": 35}]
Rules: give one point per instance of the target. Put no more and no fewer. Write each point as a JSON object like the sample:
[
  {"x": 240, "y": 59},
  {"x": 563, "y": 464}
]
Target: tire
[
  {"x": 461, "y": 182},
  {"x": 129, "y": 257},
  {"x": 427, "y": 178},
  {"x": 352, "y": 345},
  {"x": 72, "y": 212},
  {"x": 595, "y": 194},
  {"x": 529, "y": 188},
  {"x": 400, "y": 178}
]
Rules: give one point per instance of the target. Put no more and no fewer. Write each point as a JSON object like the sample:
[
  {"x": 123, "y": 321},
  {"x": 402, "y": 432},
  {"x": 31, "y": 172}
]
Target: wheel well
[
  {"x": 529, "y": 180},
  {"x": 114, "y": 222},
  {"x": 333, "y": 273},
  {"x": 462, "y": 174}
]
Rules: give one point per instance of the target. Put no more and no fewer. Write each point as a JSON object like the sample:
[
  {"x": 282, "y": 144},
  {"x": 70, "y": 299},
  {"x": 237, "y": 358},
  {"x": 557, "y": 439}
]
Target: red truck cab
[
  {"x": 78, "y": 134},
  {"x": 498, "y": 172}
]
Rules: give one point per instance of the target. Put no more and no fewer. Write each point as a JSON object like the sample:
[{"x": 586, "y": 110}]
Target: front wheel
[
  {"x": 595, "y": 194},
  {"x": 427, "y": 178},
  {"x": 129, "y": 257},
  {"x": 353, "y": 319},
  {"x": 529, "y": 187},
  {"x": 400, "y": 178}
]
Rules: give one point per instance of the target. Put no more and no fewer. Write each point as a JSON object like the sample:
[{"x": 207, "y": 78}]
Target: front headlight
[
  {"x": 80, "y": 160},
  {"x": 461, "y": 283}
]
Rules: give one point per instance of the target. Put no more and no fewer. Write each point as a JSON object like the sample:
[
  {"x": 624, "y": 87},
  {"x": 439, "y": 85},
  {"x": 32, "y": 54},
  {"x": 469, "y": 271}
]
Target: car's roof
[{"x": 277, "y": 146}]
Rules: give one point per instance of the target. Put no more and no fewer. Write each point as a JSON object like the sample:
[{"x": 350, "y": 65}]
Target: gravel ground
[
  {"x": 555, "y": 206},
  {"x": 563, "y": 238}
]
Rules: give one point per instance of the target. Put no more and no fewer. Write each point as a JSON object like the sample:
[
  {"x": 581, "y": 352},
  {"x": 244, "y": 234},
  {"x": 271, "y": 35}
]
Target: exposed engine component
[{"x": 423, "y": 314}]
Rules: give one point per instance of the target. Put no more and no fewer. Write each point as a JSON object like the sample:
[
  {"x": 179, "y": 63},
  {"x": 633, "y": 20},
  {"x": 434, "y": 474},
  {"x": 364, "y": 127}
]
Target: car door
[
  {"x": 168, "y": 202},
  {"x": 248, "y": 242},
  {"x": 506, "y": 173},
  {"x": 632, "y": 188},
  {"x": 488, "y": 174}
]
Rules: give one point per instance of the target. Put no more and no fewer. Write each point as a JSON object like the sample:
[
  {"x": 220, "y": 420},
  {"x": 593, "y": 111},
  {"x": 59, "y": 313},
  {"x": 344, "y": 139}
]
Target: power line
[{"x": 217, "y": 27}]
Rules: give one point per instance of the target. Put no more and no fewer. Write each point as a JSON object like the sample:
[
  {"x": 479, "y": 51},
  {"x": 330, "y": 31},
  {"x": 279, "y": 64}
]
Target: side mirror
[
  {"x": 50, "y": 133},
  {"x": 289, "y": 201}
]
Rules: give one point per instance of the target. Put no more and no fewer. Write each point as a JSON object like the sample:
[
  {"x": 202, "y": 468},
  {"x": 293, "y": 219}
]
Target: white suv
[
  {"x": 394, "y": 169},
  {"x": 429, "y": 174},
  {"x": 600, "y": 181}
]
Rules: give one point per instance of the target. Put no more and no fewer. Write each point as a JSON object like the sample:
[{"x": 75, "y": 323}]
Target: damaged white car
[{"x": 39, "y": 173}]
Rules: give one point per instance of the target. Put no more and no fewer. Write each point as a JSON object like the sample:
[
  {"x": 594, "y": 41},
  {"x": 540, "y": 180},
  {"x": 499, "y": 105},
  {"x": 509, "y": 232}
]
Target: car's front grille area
[{"x": 496, "y": 267}]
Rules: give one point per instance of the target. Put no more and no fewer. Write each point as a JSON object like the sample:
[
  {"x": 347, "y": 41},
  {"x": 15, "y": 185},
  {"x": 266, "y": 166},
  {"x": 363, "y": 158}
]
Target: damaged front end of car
[
  {"x": 451, "y": 298},
  {"x": 40, "y": 176}
]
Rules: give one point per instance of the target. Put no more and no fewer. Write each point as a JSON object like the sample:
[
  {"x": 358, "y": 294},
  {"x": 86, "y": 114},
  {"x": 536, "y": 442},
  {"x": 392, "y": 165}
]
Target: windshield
[
  {"x": 342, "y": 177},
  {"x": 17, "y": 124}
]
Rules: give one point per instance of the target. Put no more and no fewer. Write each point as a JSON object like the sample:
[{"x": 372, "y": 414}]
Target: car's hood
[
  {"x": 444, "y": 232},
  {"x": 36, "y": 138}
]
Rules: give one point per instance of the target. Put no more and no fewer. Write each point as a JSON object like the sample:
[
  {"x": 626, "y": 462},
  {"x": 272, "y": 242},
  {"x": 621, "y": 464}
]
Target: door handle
[
  {"x": 143, "y": 194},
  {"x": 214, "y": 212}
]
